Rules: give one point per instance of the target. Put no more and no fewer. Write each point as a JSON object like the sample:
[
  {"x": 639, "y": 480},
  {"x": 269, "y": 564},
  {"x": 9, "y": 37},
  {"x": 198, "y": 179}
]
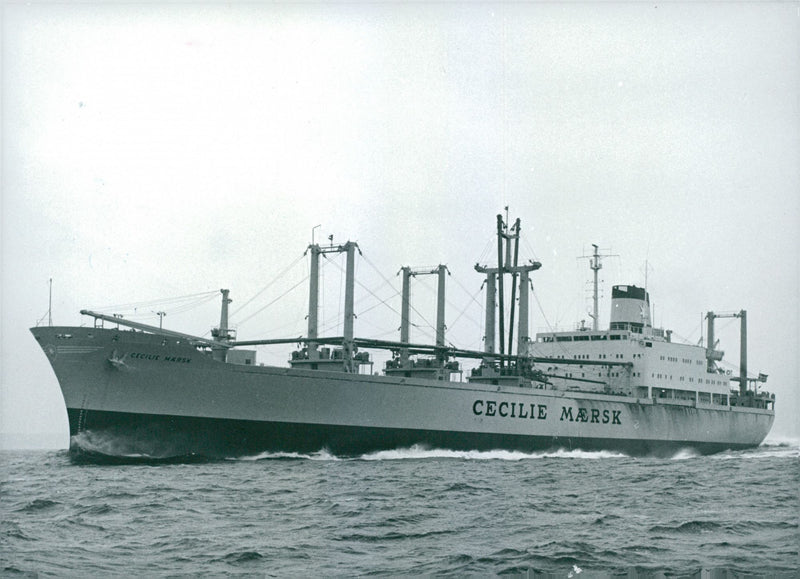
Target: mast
[
  {"x": 224, "y": 333},
  {"x": 313, "y": 342},
  {"x": 500, "y": 271},
  {"x": 713, "y": 355},
  {"x": 743, "y": 354},
  {"x": 313, "y": 299},
  {"x": 491, "y": 304},
  {"x": 513, "y": 285},
  {"x": 524, "y": 282},
  {"x": 440, "y": 307},
  {"x": 349, "y": 313},
  {"x": 405, "y": 318},
  {"x": 711, "y": 345},
  {"x": 497, "y": 274},
  {"x": 405, "y": 314},
  {"x": 596, "y": 265}
]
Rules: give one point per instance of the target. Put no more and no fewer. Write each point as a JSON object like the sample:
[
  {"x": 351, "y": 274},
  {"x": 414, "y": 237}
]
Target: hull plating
[
  {"x": 163, "y": 437},
  {"x": 137, "y": 393}
]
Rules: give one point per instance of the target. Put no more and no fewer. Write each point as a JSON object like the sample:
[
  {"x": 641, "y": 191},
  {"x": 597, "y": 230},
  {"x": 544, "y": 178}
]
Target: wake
[{"x": 418, "y": 452}]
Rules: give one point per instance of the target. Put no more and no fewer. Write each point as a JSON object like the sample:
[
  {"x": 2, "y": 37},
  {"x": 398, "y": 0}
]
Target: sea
[{"x": 406, "y": 512}]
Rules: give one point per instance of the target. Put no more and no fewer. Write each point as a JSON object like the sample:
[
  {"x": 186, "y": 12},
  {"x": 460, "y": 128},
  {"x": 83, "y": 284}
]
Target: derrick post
[
  {"x": 596, "y": 266},
  {"x": 523, "y": 312},
  {"x": 513, "y": 287},
  {"x": 743, "y": 354},
  {"x": 222, "y": 334},
  {"x": 491, "y": 304},
  {"x": 223, "y": 319},
  {"x": 313, "y": 301},
  {"x": 440, "y": 327},
  {"x": 349, "y": 313},
  {"x": 710, "y": 361},
  {"x": 405, "y": 319}
]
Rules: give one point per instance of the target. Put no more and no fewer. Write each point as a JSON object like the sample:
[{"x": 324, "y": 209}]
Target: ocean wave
[
  {"x": 38, "y": 505},
  {"x": 390, "y": 536},
  {"x": 238, "y": 557},
  {"x": 689, "y": 527}
]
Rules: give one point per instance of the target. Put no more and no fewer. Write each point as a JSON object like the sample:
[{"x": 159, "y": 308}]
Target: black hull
[{"x": 129, "y": 437}]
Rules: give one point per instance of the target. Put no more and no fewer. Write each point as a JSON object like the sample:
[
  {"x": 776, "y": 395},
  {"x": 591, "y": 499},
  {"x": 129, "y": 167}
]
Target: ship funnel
[{"x": 630, "y": 307}]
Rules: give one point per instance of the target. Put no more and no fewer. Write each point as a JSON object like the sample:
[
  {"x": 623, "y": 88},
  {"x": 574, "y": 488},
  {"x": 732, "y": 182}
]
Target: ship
[{"x": 150, "y": 392}]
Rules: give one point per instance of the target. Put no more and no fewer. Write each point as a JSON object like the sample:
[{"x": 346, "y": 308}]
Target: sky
[{"x": 154, "y": 151}]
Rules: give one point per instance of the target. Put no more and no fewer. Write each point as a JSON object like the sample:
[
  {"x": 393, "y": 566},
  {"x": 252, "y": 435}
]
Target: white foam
[
  {"x": 417, "y": 452},
  {"x": 320, "y": 455},
  {"x": 685, "y": 453},
  {"x": 781, "y": 441}
]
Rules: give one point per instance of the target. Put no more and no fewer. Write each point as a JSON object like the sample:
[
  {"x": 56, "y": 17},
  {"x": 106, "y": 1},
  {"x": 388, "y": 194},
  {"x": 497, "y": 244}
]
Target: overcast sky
[{"x": 152, "y": 151}]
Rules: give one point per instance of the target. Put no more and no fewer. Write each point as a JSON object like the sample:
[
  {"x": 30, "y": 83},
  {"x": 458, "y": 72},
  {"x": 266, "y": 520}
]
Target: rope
[
  {"x": 549, "y": 326},
  {"x": 204, "y": 296},
  {"x": 266, "y": 287},
  {"x": 258, "y": 311}
]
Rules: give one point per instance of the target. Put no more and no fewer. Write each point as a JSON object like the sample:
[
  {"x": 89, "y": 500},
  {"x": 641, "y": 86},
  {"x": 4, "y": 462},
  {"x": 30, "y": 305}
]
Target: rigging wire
[
  {"x": 529, "y": 247},
  {"x": 188, "y": 307},
  {"x": 464, "y": 310},
  {"x": 549, "y": 326},
  {"x": 487, "y": 249},
  {"x": 203, "y": 296},
  {"x": 422, "y": 328},
  {"x": 270, "y": 284},
  {"x": 386, "y": 281},
  {"x": 472, "y": 298},
  {"x": 41, "y": 320},
  {"x": 284, "y": 294},
  {"x": 466, "y": 291},
  {"x": 370, "y": 291}
]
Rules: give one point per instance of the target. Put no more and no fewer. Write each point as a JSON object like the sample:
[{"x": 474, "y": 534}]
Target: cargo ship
[{"x": 137, "y": 390}]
